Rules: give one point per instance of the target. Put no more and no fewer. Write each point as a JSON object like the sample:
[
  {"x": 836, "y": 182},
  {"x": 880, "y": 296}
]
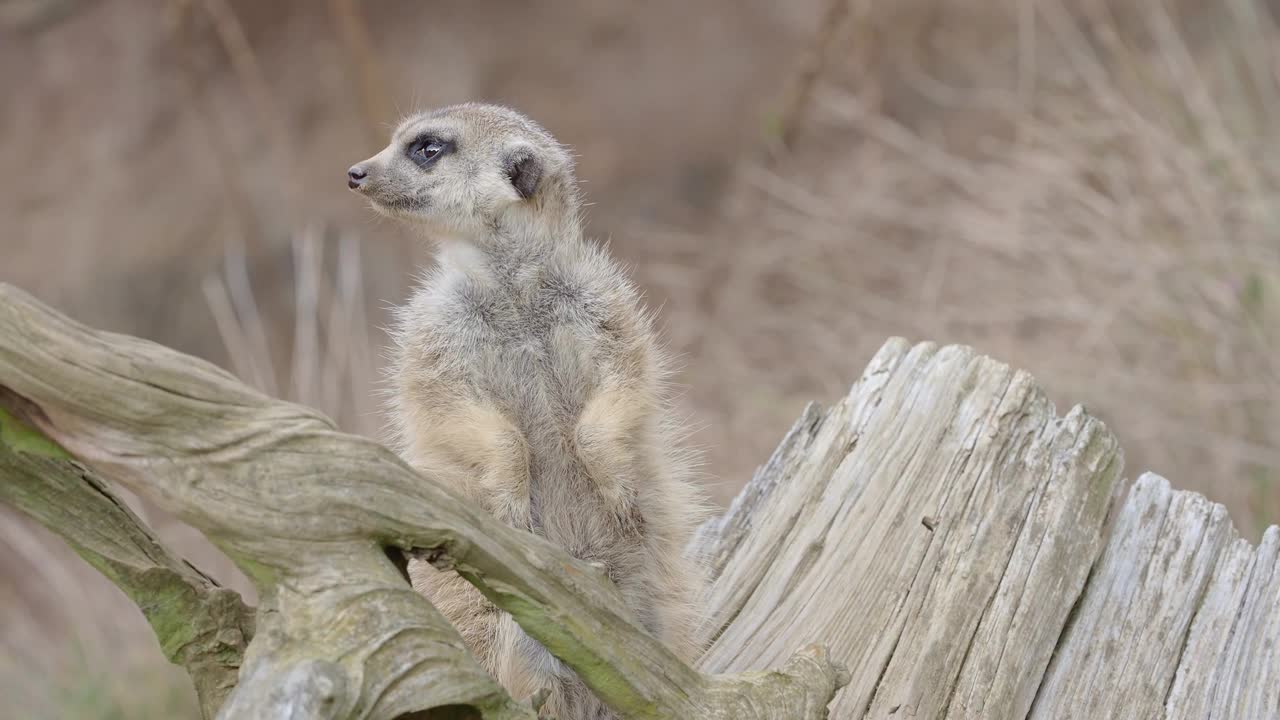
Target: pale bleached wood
[
  {"x": 1230, "y": 667},
  {"x": 718, "y": 538},
  {"x": 1198, "y": 678},
  {"x": 942, "y": 532},
  {"x": 745, "y": 545},
  {"x": 934, "y": 529},
  {"x": 1248, "y": 672},
  {"x": 1119, "y": 656}
]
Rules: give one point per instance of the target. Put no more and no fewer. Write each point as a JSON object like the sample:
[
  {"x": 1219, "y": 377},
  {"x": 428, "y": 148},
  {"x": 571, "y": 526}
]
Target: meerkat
[{"x": 528, "y": 375}]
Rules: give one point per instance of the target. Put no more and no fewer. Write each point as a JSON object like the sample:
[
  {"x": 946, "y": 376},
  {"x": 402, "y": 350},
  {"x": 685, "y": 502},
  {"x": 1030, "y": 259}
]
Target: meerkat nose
[{"x": 355, "y": 177}]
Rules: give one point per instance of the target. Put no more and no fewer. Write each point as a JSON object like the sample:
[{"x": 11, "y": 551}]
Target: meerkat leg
[
  {"x": 491, "y": 453},
  {"x": 499, "y": 449},
  {"x": 609, "y": 439},
  {"x": 570, "y": 698},
  {"x": 476, "y": 619}
]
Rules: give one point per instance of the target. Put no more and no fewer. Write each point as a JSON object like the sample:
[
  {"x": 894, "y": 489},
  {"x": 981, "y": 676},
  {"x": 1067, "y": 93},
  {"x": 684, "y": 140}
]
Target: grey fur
[{"x": 528, "y": 375}]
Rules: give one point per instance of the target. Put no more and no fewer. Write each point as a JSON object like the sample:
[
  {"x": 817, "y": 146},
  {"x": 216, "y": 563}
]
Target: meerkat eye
[{"x": 425, "y": 150}]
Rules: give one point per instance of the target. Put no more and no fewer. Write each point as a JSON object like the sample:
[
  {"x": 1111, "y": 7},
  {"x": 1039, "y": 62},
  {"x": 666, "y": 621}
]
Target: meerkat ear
[{"x": 524, "y": 169}]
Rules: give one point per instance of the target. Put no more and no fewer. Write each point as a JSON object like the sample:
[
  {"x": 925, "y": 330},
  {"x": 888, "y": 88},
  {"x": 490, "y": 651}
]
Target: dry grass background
[
  {"x": 1088, "y": 190},
  {"x": 1090, "y": 194}
]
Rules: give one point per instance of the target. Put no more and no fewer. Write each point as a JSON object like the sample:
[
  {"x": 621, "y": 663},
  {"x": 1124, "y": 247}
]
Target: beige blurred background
[{"x": 1089, "y": 190}]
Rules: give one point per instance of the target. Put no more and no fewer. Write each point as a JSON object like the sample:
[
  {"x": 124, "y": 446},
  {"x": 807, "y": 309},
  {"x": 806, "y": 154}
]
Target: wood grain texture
[
  {"x": 1180, "y": 620},
  {"x": 201, "y": 626},
  {"x": 959, "y": 546},
  {"x": 934, "y": 532}
]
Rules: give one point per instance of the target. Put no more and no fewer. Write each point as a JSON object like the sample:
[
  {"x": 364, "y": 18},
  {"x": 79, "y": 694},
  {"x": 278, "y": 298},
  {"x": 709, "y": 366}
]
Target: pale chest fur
[
  {"x": 516, "y": 351},
  {"x": 535, "y": 340}
]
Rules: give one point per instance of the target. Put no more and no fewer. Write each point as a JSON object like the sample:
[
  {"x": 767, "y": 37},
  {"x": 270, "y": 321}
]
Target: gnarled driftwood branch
[
  {"x": 201, "y": 626},
  {"x": 308, "y": 513}
]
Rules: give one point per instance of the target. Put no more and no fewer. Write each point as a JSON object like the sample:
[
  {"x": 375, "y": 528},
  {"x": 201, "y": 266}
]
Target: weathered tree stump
[{"x": 958, "y": 546}]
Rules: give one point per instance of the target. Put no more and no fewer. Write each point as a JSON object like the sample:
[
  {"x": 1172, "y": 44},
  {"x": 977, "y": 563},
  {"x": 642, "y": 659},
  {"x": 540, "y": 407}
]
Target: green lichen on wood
[
  {"x": 22, "y": 438},
  {"x": 200, "y": 626},
  {"x": 560, "y": 635}
]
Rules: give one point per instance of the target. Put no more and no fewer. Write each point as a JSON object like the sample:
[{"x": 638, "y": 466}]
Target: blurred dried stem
[
  {"x": 1093, "y": 195},
  {"x": 375, "y": 101}
]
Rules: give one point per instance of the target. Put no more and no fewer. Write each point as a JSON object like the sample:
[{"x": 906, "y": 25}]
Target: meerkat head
[{"x": 470, "y": 170}]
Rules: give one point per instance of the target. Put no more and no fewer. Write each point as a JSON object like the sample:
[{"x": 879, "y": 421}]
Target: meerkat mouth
[
  {"x": 397, "y": 206},
  {"x": 408, "y": 204}
]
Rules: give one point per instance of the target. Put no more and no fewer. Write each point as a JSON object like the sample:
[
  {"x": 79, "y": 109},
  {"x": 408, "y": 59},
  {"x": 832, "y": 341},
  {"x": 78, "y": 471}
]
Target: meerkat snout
[{"x": 355, "y": 176}]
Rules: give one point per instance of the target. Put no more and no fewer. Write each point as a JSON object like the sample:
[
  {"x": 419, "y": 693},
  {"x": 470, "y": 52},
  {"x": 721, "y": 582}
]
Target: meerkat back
[{"x": 528, "y": 375}]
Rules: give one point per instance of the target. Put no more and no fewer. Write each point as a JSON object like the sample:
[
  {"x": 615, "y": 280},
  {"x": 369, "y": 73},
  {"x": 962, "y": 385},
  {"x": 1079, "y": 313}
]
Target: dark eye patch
[{"x": 426, "y": 149}]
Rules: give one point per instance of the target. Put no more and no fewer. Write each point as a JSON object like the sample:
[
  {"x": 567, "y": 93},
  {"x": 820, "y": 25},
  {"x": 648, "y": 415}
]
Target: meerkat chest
[{"x": 537, "y": 353}]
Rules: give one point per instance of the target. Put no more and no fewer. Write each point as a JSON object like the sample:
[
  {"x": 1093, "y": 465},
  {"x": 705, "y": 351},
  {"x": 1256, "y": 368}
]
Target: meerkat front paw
[
  {"x": 486, "y": 444},
  {"x": 608, "y": 439}
]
